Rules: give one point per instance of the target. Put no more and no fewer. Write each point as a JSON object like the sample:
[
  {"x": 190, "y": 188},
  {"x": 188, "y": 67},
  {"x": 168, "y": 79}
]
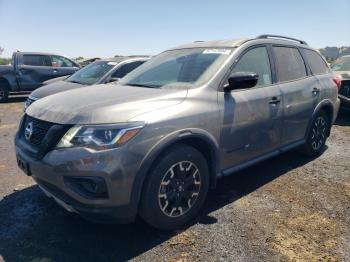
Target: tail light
[{"x": 337, "y": 79}]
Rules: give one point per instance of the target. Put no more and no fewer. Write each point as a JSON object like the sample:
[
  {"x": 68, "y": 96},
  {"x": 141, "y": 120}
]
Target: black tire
[
  {"x": 318, "y": 133},
  {"x": 4, "y": 91},
  {"x": 183, "y": 160}
]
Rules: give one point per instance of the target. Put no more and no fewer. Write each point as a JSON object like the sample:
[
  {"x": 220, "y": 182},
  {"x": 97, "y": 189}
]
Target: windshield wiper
[
  {"x": 73, "y": 81},
  {"x": 142, "y": 85}
]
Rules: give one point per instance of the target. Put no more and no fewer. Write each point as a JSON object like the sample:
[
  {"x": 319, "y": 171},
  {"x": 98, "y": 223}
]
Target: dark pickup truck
[{"x": 28, "y": 71}]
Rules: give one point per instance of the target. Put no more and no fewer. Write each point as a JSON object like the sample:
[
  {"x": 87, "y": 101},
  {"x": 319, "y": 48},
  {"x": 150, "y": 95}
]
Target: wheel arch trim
[
  {"x": 166, "y": 142},
  {"x": 326, "y": 103}
]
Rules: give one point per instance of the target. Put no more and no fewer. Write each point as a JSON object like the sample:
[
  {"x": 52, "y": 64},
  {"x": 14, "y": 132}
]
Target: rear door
[
  {"x": 251, "y": 117},
  {"x": 32, "y": 70},
  {"x": 63, "y": 66},
  {"x": 300, "y": 91}
]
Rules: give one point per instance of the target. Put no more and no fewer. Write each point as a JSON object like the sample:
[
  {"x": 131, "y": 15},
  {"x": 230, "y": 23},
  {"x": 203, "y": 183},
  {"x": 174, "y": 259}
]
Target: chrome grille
[{"x": 40, "y": 128}]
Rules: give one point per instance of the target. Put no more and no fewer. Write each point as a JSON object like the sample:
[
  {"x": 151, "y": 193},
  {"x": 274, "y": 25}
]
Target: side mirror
[
  {"x": 241, "y": 80},
  {"x": 113, "y": 79}
]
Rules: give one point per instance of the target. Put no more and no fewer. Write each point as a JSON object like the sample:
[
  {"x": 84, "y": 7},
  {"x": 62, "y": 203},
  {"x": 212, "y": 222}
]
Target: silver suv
[{"x": 156, "y": 143}]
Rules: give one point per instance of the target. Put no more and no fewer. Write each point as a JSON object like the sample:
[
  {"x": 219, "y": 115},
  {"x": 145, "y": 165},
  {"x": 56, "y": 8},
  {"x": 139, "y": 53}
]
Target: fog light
[{"x": 89, "y": 187}]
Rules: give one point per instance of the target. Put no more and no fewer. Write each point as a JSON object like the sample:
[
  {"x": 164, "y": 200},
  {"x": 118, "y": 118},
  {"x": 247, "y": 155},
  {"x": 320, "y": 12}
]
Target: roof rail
[{"x": 282, "y": 37}]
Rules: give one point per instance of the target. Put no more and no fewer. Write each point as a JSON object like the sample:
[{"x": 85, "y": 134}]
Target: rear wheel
[
  {"x": 318, "y": 133},
  {"x": 176, "y": 188}
]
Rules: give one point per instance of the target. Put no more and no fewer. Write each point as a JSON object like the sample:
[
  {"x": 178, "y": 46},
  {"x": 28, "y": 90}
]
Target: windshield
[
  {"x": 91, "y": 73},
  {"x": 342, "y": 64},
  {"x": 184, "y": 68}
]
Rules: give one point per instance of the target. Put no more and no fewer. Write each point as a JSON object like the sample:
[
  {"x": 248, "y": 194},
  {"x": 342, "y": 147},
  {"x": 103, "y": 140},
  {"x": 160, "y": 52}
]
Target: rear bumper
[{"x": 345, "y": 101}]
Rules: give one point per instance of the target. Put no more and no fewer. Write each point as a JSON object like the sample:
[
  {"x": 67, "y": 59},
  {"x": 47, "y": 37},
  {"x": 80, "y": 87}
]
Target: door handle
[
  {"x": 274, "y": 101},
  {"x": 315, "y": 90}
]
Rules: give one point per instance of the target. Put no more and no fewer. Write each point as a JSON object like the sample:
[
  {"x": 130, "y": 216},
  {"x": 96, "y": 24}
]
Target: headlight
[
  {"x": 30, "y": 100},
  {"x": 98, "y": 137}
]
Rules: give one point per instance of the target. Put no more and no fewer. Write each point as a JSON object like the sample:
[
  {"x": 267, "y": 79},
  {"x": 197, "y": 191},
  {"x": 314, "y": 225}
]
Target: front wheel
[
  {"x": 175, "y": 189},
  {"x": 318, "y": 133}
]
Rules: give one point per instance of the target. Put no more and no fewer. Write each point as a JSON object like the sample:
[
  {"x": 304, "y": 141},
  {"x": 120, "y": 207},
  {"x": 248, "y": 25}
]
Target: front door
[
  {"x": 251, "y": 117},
  {"x": 33, "y": 70}
]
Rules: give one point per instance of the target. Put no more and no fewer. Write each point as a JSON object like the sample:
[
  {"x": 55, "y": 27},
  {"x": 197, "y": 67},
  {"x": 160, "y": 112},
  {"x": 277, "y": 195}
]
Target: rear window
[
  {"x": 290, "y": 64},
  {"x": 317, "y": 65},
  {"x": 36, "y": 60}
]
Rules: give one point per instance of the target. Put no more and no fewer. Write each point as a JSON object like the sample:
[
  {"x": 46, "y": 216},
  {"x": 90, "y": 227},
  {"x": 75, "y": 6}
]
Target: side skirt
[{"x": 234, "y": 169}]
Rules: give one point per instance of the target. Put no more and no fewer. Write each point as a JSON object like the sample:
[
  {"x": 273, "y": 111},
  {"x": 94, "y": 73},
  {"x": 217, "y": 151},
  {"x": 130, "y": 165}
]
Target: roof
[
  {"x": 238, "y": 42},
  {"x": 124, "y": 58},
  {"x": 214, "y": 43},
  {"x": 36, "y": 53}
]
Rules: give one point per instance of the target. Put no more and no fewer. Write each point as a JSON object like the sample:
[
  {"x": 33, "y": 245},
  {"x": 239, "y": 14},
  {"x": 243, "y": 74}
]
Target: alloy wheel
[
  {"x": 319, "y": 133},
  {"x": 179, "y": 189}
]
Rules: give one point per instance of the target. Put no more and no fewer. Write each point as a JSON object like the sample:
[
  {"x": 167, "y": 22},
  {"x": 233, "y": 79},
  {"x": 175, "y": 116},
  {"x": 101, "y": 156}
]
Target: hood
[
  {"x": 56, "y": 87},
  {"x": 103, "y": 104},
  {"x": 52, "y": 80}
]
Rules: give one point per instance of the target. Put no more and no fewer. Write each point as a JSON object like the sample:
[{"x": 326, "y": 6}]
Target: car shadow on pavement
[
  {"x": 235, "y": 186},
  {"x": 33, "y": 227}
]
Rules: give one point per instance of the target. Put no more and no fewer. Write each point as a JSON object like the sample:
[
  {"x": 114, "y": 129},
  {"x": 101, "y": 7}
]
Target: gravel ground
[{"x": 289, "y": 208}]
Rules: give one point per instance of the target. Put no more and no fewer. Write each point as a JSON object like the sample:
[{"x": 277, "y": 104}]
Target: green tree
[{"x": 1, "y": 50}]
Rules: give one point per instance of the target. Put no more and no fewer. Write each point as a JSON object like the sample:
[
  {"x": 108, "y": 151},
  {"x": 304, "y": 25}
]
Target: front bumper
[{"x": 117, "y": 167}]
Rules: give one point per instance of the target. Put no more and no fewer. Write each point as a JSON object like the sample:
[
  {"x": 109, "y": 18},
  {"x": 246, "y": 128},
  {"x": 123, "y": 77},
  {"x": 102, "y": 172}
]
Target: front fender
[{"x": 160, "y": 146}]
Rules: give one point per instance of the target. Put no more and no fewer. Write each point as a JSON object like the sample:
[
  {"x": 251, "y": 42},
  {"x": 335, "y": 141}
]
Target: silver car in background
[
  {"x": 342, "y": 67},
  {"x": 154, "y": 145},
  {"x": 99, "y": 72}
]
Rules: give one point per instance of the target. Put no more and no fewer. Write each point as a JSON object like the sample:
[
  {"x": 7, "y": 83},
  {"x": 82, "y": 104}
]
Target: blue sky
[{"x": 106, "y": 28}]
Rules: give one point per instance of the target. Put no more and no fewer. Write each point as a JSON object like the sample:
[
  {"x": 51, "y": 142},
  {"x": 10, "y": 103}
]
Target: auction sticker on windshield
[{"x": 217, "y": 51}]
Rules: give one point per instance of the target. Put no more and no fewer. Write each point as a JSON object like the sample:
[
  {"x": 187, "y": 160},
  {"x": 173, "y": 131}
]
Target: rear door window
[
  {"x": 289, "y": 64},
  {"x": 317, "y": 65},
  {"x": 256, "y": 61},
  {"x": 36, "y": 60}
]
